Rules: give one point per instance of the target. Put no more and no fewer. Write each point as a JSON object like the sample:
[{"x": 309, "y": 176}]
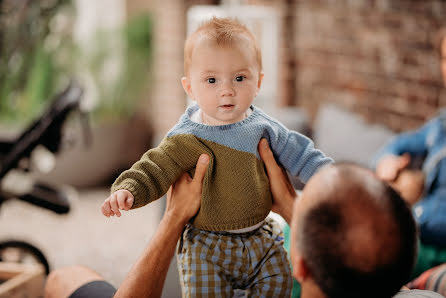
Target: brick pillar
[
  {"x": 168, "y": 99},
  {"x": 287, "y": 68},
  {"x": 286, "y": 88}
]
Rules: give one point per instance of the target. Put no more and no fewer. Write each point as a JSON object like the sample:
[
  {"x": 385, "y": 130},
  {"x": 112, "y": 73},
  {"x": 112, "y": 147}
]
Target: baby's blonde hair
[{"x": 221, "y": 32}]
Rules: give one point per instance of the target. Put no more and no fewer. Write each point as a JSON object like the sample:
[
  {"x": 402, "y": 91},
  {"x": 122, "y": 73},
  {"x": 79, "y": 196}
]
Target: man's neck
[{"x": 310, "y": 290}]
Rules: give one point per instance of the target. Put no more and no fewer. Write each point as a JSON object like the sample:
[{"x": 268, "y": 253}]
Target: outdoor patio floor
[{"x": 84, "y": 236}]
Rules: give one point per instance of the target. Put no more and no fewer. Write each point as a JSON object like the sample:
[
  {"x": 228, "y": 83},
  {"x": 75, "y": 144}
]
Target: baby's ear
[
  {"x": 259, "y": 82},
  {"x": 187, "y": 86},
  {"x": 260, "y": 79}
]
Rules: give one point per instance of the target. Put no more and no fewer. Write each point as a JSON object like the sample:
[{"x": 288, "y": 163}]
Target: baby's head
[
  {"x": 223, "y": 70},
  {"x": 222, "y": 32}
]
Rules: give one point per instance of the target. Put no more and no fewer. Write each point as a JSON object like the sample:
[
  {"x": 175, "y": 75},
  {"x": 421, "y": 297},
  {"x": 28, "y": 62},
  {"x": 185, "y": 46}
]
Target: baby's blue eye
[
  {"x": 240, "y": 78},
  {"x": 211, "y": 80}
]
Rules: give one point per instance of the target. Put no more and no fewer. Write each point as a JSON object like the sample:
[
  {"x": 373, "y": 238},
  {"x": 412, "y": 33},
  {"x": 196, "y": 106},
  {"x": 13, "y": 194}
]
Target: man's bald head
[{"x": 355, "y": 234}]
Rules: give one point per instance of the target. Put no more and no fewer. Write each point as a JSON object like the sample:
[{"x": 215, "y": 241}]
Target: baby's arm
[
  {"x": 297, "y": 154},
  {"x": 119, "y": 200},
  {"x": 150, "y": 177}
]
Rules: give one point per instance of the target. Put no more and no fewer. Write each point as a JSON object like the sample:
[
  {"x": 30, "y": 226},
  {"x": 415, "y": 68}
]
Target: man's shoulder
[{"x": 417, "y": 294}]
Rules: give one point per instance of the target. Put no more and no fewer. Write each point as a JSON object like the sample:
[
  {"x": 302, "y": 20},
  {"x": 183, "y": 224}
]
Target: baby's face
[{"x": 223, "y": 81}]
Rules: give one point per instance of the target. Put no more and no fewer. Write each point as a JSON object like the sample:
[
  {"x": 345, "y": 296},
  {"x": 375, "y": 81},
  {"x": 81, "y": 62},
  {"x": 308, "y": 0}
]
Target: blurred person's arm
[
  {"x": 410, "y": 185},
  {"x": 146, "y": 278},
  {"x": 414, "y": 143},
  {"x": 282, "y": 190},
  {"x": 389, "y": 167}
]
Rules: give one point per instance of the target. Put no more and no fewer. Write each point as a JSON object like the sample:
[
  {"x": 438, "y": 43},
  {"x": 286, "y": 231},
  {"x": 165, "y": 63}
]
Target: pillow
[
  {"x": 293, "y": 118},
  {"x": 344, "y": 136}
]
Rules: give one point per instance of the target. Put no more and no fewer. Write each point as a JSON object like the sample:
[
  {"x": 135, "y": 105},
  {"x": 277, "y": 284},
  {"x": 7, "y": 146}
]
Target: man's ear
[
  {"x": 300, "y": 269},
  {"x": 187, "y": 86}
]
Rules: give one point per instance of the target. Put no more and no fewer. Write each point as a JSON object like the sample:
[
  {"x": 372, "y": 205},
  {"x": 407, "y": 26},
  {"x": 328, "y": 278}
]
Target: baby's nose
[{"x": 227, "y": 89}]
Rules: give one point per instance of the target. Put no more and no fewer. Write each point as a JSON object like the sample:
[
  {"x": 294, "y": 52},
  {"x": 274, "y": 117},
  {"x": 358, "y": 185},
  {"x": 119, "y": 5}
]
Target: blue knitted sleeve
[
  {"x": 414, "y": 142},
  {"x": 296, "y": 152}
]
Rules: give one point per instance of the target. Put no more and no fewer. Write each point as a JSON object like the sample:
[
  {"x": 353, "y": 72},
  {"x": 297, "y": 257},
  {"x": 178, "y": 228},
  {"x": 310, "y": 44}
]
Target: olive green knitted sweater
[{"x": 236, "y": 189}]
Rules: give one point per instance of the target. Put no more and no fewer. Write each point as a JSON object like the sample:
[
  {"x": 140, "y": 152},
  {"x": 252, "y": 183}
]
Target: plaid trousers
[{"x": 214, "y": 264}]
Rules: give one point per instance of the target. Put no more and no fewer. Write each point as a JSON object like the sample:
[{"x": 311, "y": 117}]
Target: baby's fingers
[
  {"x": 125, "y": 200},
  {"x": 121, "y": 197},
  {"x": 105, "y": 208},
  {"x": 128, "y": 203},
  {"x": 114, "y": 205}
]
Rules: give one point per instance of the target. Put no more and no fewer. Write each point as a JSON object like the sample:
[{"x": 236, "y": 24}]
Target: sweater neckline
[{"x": 192, "y": 109}]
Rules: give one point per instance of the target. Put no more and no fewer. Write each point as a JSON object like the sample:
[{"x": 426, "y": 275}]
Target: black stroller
[{"x": 45, "y": 133}]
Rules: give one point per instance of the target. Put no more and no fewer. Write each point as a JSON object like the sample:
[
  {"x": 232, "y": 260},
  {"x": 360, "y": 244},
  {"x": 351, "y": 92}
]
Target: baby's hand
[
  {"x": 120, "y": 199},
  {"x": 389, "y": 167}
]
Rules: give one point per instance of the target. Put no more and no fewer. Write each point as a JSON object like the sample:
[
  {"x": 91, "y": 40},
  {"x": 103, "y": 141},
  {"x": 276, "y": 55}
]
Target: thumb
[
  {"x": 200, "y": 169},
  {"x": 272, "y": 168},
  {"x": 264, "y": 150}
]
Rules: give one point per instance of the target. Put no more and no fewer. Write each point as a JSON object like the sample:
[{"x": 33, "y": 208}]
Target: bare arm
[
  {"x": 146, "y": 278},
  {"x": 282, "y": 190}
]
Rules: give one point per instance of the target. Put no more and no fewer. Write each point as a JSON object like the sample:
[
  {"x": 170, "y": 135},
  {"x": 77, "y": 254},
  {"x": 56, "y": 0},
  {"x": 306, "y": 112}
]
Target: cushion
[{"x": 345, "y": 136}]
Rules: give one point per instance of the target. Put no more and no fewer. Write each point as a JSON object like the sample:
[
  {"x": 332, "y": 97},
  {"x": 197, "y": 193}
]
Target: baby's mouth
[{"x": 227, "y": 106}]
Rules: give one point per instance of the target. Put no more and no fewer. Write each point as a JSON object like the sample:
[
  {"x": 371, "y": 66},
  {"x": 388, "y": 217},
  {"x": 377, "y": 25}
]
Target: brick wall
[
  {"x": 287, "y": 52},
  {"x": 376, "y": 58}
]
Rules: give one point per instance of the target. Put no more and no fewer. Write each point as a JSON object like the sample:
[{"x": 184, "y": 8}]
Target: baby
[{"x": 231, "y": 244}]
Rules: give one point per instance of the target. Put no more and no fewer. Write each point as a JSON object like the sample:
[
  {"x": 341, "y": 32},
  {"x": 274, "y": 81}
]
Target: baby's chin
[{"x": 217, "y": 122}]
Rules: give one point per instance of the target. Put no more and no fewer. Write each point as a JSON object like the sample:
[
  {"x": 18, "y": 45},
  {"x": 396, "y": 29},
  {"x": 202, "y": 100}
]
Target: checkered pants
[{"x": 213, "y": 264}]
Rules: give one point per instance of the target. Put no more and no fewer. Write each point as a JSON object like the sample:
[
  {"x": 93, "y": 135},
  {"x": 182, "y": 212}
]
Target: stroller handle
[{"x": 46, "y": 130}]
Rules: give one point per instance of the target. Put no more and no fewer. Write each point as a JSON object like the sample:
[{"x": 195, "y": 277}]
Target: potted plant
[{"x": 38, "y": 56}]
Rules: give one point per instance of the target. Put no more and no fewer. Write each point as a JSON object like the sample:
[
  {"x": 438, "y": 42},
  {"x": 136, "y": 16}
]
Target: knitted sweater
[{"x": 235, "y": 189}]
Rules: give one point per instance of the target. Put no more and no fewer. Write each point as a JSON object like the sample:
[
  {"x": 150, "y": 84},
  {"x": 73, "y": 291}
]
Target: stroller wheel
[{"x": 22, "y": 252}]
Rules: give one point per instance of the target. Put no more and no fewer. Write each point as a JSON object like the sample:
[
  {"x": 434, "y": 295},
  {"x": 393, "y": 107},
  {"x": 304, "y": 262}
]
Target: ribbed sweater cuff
[{"x": 136, "y": 189}]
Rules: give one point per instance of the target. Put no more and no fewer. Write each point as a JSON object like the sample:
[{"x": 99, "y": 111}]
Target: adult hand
[
  {"x": 389, "y": 167},
  {"x": 281, "y": 188},
  {"x": 184, "y": 196},
  {"x": 410, "y": 185}
]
